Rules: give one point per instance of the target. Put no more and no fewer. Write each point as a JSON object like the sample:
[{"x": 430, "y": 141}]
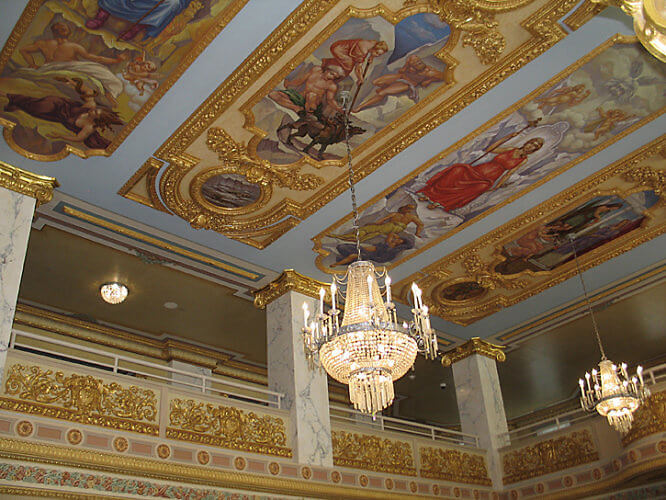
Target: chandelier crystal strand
[
  {"x": 369, "y": 349},
  {"x": 610, "y": 390}
]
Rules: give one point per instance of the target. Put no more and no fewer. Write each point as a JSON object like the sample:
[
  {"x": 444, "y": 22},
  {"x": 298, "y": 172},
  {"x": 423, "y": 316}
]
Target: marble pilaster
[
  {"x": 480, "y": 403},
  {"x": 20, "y": 191},
  {"x": 17, "y": 210},
  {"x": 305, "y": 389}
]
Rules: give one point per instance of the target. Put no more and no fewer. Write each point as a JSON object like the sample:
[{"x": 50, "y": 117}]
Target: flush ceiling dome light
[{"x": 113, "y": 292}]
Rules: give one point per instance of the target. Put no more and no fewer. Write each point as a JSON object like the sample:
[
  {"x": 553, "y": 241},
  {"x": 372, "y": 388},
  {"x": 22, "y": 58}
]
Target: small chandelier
[
  {"x": 649, "y": 22},
  {"x": 610, "y": 390},
  {"x": 370, "y": 348},
  {"x": 113, "y": 292}
]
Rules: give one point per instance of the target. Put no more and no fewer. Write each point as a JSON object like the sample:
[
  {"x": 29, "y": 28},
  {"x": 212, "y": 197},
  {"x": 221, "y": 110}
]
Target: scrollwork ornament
[
  {"x": 258, "y": 171},
  {"x": 80, "y": 398},
  {"x": 549, "y": 456},
  {"x": 227, "y": 427},
  {"x": 478, "y": 25},
  {"x": 370, "y": 452},
  {"x": 21, "y": 181},
  {"x": 453, "y": 465},
  {"x": 474, "y": 346},
  {"x": 649, "y": 177}
]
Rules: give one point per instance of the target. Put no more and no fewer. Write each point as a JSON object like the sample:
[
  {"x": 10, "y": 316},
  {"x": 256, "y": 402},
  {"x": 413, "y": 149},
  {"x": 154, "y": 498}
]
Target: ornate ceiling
[{"x": 485, "y": 133}]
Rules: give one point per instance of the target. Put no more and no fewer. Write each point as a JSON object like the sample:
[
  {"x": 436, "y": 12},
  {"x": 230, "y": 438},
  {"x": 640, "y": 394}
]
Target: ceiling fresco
[
  {"x": 266, "y": 149},
  {"x": 76, "y": 76},
  {"x": 607, "y": 214},
  {"x": 607, "y": 94}
]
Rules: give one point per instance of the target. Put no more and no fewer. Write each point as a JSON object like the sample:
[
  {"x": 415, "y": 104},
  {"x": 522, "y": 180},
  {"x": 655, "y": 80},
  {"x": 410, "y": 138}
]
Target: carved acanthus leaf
[
  {"x": 479, "y": 27},
  {"x": 258, "y": 171}
]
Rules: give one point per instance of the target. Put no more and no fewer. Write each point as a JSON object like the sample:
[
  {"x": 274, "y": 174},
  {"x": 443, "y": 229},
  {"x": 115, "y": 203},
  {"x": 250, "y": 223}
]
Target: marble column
[
  {"x": 19, "y": 192},
  {"x": 479, "y": 397},
  {"x": 305, "y": 390}
]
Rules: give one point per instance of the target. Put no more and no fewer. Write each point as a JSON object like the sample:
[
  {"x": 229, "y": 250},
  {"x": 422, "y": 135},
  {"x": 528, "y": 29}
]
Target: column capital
[
  {"x": 289, "y": 280},
  {"x": 475, "y": 345},
  {"x": 21, "y": 181}
]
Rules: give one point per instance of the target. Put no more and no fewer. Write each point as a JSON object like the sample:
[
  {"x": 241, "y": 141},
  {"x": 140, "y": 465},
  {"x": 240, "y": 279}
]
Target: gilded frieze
[
  {"x": 453, "y": 465},
  {"x": 650, "y": 418},
  {"x": 79, "y": 398},
  {"x": 78, "y": 76},
  {"x": 550, "y": 455},
  {"x": 261, "y": 110},
  {"x": 560, "y": 124},
  {"x": 227, "y": 427},
  {"x": 363, "y": 451},
  {"x": 609, "y": 213}
]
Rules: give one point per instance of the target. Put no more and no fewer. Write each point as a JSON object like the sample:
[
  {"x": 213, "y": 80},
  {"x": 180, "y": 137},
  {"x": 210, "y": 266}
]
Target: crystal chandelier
[
  {"x": 370, "y": 348},
  {"x": 610, "y": 390},
  {"x": 649, "y": 22}
]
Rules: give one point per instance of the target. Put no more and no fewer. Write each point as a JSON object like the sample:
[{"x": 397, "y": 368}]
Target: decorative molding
[
  {"x": 614, "y": 40},
  {"x": 79, "y": 398},
  {"x": 364, "y": 451},
  {"x": 475, "y": 345},
  {"x": 477, "y": 261},
  {"x": 537, "y": 30},
  {"x": 28, "y": 451},
  {"x": 21, "y": 181},
  {"x": 148, "y": 173},
  {"x": 649, "y": 418},
  {"x": 227, "y": 427},
  {"x": 550, "y": 455},
  {"x": 585, "y": 11},
  {"x": 453, "y": 465},
  {"x": 289, "y": 280}
]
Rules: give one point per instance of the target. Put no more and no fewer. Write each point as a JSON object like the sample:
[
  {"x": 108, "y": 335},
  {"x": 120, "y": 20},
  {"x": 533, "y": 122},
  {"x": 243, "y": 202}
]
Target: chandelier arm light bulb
[
  {"x": 610, "y": 390},
  {"x": 369, "y": 348}
]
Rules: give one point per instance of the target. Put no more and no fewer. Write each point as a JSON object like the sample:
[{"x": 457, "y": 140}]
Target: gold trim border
[
  {"x": 211, "y": 440},
  {"x": 475, "y": 345},
  {"x": 26, "y": 18},
  {"x": 558, "y": 203},
  {"x": 15, "y": 449},
  {"x": 60, "y": 413},
  {"x": 542, "y": 25},
  {"x": 21, "y": 181},
  {"x": 614, "y": 40}
]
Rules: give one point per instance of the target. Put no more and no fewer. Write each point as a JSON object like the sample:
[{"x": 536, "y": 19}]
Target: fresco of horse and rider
[
  {"x": 84, "y": 68},
  {"x": 604, "y": 97},
  {"x": 385, "y": 68}
]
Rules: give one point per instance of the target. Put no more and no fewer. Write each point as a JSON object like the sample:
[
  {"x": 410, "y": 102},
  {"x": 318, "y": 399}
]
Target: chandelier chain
[
  {"x": 587, "y": 299},
  {"x": 352, "y": 187}
]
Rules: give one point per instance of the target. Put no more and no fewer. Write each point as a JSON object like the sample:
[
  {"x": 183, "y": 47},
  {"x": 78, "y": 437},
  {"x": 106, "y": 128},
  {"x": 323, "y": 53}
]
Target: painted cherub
[
  {"x": 141, "y": 73},
  {"x": 565, "y": 96},
  {"x": 607, "y": 121}
]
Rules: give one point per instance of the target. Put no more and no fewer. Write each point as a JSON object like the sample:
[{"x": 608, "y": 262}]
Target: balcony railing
[
  {"x": 126, "y": 365},
  {"x": 381, "y": 423}
]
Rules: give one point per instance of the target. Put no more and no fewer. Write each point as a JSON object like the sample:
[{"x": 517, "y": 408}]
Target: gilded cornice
[
  {"x": 649, "y": 418},
  {"x": 289, "y": 280},
  {"x": 475, "y": 345},
  {"x": 548, "y": 456},
  {"x": 21, "y": 181},
  {"x": 29, "y": 451}
]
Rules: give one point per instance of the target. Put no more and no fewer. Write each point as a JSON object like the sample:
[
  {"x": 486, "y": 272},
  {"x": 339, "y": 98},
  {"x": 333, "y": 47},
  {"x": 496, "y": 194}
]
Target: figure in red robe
[{"x": 460, "y": 183}]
